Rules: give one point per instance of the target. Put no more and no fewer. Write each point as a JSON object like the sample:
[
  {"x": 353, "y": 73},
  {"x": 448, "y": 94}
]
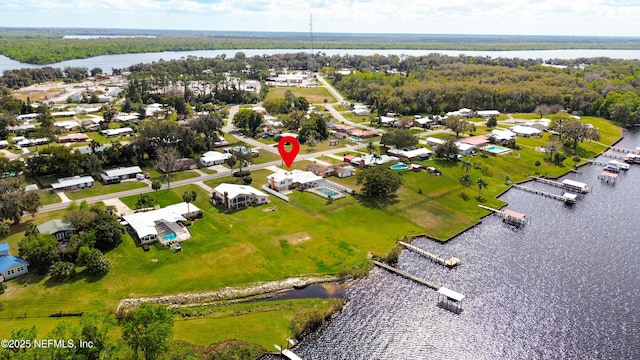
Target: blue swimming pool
[
  {"x": 327, "y": 192},
  {"x": 497, "y": 149},
  {"x": 355, "y": 138},
  {"x": 399, "y": 166}
]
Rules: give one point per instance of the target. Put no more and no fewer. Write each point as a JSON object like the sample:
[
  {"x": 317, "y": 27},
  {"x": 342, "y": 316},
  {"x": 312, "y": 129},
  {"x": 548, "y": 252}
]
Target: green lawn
[
  {"x": 165, "y": 197},
  {"x": 314, "y": 94},
  {"x": 175, "y": 176},
  {"x": 48, "y": 197},
  {"x": 305, "y": 236},
  {"x": 100, "y": 189}
]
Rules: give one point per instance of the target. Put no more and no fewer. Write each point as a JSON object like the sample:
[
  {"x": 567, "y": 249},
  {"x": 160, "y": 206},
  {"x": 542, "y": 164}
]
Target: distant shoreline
[{"x": 47, "y": 46}]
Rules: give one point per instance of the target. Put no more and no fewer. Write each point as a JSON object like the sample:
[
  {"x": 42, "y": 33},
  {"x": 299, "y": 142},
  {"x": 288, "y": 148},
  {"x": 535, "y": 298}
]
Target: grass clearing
[{"x": 313, "y": 95}]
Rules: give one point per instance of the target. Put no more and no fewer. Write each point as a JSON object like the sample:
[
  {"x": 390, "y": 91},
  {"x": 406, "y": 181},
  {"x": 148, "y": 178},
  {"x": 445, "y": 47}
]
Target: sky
[{"x": 513, "y": 17}]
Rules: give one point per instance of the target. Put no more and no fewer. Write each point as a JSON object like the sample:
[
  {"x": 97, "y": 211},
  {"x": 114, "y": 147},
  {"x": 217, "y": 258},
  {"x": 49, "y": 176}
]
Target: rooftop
[
  {"x": 53, "y": 226},
  {"x": 234, "y": 190}
]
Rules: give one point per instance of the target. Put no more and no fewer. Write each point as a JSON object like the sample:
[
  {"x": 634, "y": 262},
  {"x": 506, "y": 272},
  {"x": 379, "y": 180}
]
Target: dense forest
[
  {"x": 47, "y": 46},
  {"x": 438, "y": 84}
]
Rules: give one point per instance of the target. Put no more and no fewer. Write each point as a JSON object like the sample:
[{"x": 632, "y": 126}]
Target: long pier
[
  {"x": 434, "y": 286},
  {"x": 540, "y": 192},
  {"x": 613, "y": 156},
  {"x": 599, "y": 163},
  {"x": 623, "y": 150},
  {"x": 450, "y": 262},
  {"x": 548, "y": 182}
]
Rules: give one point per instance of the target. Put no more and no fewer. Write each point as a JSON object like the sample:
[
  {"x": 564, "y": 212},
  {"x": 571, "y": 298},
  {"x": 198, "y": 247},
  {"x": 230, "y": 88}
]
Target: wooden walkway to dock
[
  {"x": 450, "y": 262},
  {"x": 599, "y": 163},
  {"x": 548, "y": 182},
  {"x": 623, "y": 150},
  {"x": 540, "y": 192},
  {"x": 613, "y": 156},
  {"x": 434, "y": 286}
]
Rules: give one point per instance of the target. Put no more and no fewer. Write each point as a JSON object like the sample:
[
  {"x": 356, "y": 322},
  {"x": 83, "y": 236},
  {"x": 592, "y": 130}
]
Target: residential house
[
  {"x": 296, "y": 179},
  {"x": 73, "y": 138},
  {"x": 526, "y": 131},
  {"x": 321, "y": 169},
  {"x": 242, "y": 150},
  {"x": 73, "y": 183},
  {"x": 126, "y": 117},
  {"x": 66, "y": 125},
  {"x": 234, "y": 197},
  {"x": 11, "y": 266},
  {"x": 419, "y": 153},
  {"x": 186, "y": 164},
  {"x": 502, "y": 136},
  {"x": 371, "y": 160},
  {"x": 114, "y": 176},
  {"x": 487, "y": 114},
  {"x": 61, "y": 230},
  {"x": 4, "y": 144},
  {"x": 163, "y": 224},
  {"x": 363, "y": 134},
  {"x": 117, "y": 132},
  {"x": 478, "y": 141},
  {"x": 211, "y": 158}
]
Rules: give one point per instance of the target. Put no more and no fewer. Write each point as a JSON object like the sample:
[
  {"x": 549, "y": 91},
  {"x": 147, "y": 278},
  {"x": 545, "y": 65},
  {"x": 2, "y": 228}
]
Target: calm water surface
[
  {"x": 566, "y": 286},
  {"x": 106, "y": 62}
]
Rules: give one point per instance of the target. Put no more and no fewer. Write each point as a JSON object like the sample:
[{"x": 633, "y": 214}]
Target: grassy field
[
  {"x": 313, "y": 95},
  {"x": 307, "y": 235},
  {"x": 48, "y": 197},
  {"x": 100, "y": 189}
]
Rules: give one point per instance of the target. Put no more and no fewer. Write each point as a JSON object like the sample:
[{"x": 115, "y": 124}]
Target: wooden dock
[
  {"x": 613, "y": 156},
  {"x": 623, "y": 150},
  {"x": 450, "y": 262},
  {"x": 287, "y": 353},
  {"x": 548, "y": 182},
  {"x": 539, "y": 192},
  {"x": 508, "y": 216},
  {"x": 608, "y": 177},
  {"x": 434, "y": 286},
  {"x": 599, "y": 163}
]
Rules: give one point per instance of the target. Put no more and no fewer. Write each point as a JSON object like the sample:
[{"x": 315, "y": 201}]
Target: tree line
[{"x": 439, "y": 84}]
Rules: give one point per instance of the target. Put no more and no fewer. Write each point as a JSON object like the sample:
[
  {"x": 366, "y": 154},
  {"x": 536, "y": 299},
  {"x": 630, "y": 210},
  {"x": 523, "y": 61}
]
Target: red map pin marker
[{"x": 288, "y": 156}]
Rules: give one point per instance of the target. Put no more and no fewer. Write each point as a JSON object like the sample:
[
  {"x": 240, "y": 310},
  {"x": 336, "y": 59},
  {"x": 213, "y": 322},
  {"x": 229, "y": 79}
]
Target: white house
[
  {"x": 525, "y": 131},
  {"x": 126, "y": 117},
  {"x": 431, "y": 141},
  {"x": 117, "y": 132},
  {"x": 295, "y": 179},
  {"x": 162, "y": 224},
  {"x": 211, "y": 158},
  {"x": 11, "y": 266},
  {"x": 370, "y": 160},
  {"x": 486, "y": 114},
  {"x": 420, "y": 153},
  {"x": 502, "y": 135},
  {"x": 116, "y": 175},
  {"x": 73, "y": 183},
  {"x": 464, "y": 148},
  {"x": 234, "y": 197}
]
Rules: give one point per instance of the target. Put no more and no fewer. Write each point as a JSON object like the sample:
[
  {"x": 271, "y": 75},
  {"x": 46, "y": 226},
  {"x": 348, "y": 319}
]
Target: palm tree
[
  {"x": 481, "y": 184},
  {"x": 465, "y": 180},
  {"x": 156, "y": 185},
  {"x": 189, "y": 196},
  {"x": 466, "y": 166},
  {"x": 370, "y": 147}
]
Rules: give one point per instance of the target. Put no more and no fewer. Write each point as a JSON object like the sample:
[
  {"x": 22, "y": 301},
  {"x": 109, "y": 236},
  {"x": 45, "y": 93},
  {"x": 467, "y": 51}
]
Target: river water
[
  {"x": 107, "y": 62},
  {"x": 566, "y": 286}
]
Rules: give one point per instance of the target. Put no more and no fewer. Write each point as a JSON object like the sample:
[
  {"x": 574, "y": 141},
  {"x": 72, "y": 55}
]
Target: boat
[
  {"x": 621, "y": 165},
  {"x": 632, "y": 159},
  {"x": 612, "y": 168}
]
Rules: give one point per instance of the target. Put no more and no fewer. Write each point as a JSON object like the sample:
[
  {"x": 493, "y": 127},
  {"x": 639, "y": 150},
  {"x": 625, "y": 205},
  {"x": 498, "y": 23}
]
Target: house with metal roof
[
  {"x": 114, "y": 176},
  {"x": 61, "y": 230},
  {"x": 11, "y": 266},
  {"x": 73, "y": 183},
  {"x": 234, "y": 197},
  {"x": 211, "y": 158}
]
